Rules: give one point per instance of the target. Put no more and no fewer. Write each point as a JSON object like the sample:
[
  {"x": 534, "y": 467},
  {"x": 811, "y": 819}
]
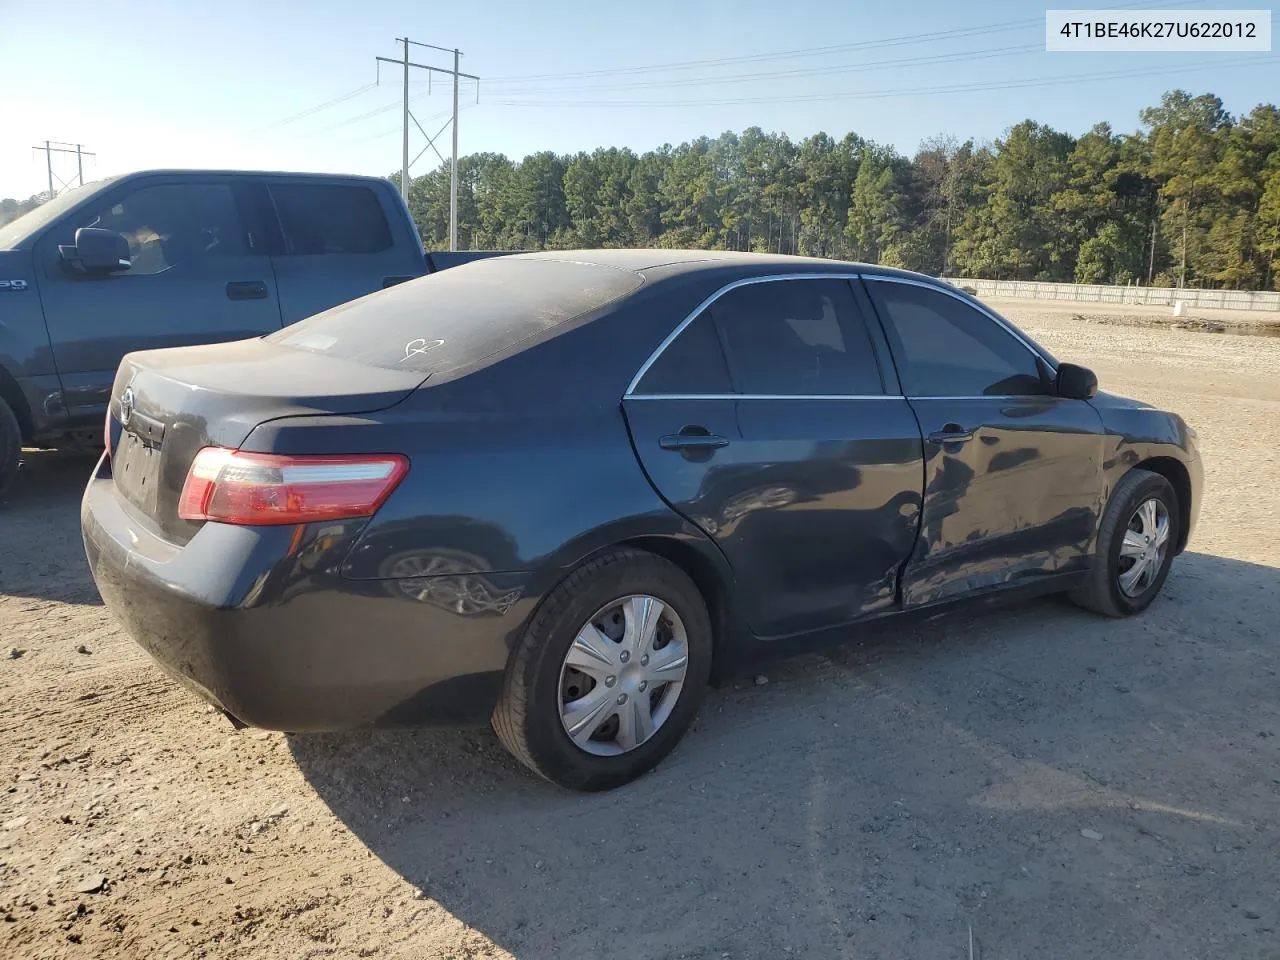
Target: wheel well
[
  {"x": 1173, "y": 471},
  {"x": 704, "y": 576},
  {"x": 11, "y": 394}
]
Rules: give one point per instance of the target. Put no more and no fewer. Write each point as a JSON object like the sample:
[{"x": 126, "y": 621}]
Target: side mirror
[
  {"x": 1076, "y": 382},
  {"x": 96, "y": 252}
]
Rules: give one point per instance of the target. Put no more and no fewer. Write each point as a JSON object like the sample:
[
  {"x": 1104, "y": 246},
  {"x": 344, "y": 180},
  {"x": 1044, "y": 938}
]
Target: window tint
[
  {"x": 169, "y": 225},
  {"x": 796, "y": 337},
  {"x": 692, "y": 364},
  {"x": 462, "y": 316},
  {"x": 322, "y": 218},
  {"x": 946, "y": 348}
]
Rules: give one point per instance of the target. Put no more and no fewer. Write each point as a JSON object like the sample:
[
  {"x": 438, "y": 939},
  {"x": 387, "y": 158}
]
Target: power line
[
  {"x": 903, "y": 40},
  {"x": 349, "y": 95},
  {"x": 940, "y": 58},
  {"x": 911, "y": 92},
  {"x": 357, "y": 118}
]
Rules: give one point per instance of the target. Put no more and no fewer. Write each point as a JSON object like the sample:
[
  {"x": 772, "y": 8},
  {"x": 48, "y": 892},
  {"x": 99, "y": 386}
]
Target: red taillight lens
[
  {"x": 106, "y": 431},
  {"x": 232, "y": 486}
]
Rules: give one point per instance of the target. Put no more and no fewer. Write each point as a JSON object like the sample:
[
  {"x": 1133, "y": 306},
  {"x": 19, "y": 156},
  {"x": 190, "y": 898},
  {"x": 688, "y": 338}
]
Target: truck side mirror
[
  {"x": 96, "y": 252},
  {"x": 1076, "y": 382}
]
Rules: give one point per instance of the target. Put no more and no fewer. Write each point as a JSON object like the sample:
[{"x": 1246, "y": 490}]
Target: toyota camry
[{"x": 557, "y": 490}]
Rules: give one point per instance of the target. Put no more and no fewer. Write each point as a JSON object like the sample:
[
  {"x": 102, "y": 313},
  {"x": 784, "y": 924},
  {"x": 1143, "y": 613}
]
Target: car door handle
[
  {"x": 692, "y": 441},
  {"x": 951, "y": 433},
  {"x": 246, "y": 290}
]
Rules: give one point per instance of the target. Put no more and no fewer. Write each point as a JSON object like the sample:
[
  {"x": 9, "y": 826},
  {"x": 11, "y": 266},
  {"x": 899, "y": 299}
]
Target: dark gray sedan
[{"x": 558, "y": 490}]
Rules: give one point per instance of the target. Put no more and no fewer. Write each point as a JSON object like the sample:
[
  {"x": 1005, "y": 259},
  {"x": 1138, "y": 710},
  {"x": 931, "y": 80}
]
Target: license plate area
[{"x": 135, "y": 466}]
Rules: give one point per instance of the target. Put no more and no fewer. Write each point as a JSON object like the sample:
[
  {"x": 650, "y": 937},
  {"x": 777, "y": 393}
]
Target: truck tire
[{"x": 10, "y": 446}]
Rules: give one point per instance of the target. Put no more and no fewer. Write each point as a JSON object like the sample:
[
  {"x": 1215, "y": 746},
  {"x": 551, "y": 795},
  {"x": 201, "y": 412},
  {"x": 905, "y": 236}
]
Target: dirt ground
[{"x": 1036, "y": 782}]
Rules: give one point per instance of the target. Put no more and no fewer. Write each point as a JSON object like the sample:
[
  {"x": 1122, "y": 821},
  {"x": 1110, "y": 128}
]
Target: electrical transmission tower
[
  {"x": 431, "y": 140},
  {"x": 50, "y": 148}
]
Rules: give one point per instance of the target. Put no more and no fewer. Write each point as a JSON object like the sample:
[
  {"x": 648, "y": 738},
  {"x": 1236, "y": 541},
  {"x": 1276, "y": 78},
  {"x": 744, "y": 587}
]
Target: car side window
[
  {"x": 797, "y": 337},
  {"x": 174, "y": 224},
  {"x": 946, "y": 348},
  {"x": 693, "y": 363},
  {"x": 320, "y": 218}
]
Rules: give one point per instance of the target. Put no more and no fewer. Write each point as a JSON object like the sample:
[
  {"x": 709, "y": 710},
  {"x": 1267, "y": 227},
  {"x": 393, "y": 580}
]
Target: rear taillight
[
  {"x": 106, "y": 432},
  {"x": 231, "y": 486}
]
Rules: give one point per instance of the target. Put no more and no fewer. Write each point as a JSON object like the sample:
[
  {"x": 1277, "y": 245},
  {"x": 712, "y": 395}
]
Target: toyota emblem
[{"x": 126, "y": 406}]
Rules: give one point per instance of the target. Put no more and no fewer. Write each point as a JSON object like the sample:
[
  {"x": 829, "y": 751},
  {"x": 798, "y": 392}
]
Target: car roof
[
  {"x": 640, "y": 260},
  {"x": 188, "y": 171}
]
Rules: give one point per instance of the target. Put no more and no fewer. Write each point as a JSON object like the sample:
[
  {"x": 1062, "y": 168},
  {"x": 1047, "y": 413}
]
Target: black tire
[
  {"x": 1101, "y": 592},
  {"x": 527, "y": 717},
  {"x": 10, "y": 446}
]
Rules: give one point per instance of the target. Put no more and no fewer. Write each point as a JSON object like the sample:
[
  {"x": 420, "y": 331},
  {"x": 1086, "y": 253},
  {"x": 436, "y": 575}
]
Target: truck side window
[
  {"x": 168, "y": 225},
  {"x": 318, "y": 218}
]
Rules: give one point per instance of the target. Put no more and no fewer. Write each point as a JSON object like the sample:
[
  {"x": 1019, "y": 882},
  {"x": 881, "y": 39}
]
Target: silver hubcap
[
  {"x": 622, "y": 675},
  {"x": 1145, "y": 541}
]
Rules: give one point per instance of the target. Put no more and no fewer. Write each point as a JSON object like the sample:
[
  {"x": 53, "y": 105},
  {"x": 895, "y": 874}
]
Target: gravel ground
[{"x": 1037, "y": 782}]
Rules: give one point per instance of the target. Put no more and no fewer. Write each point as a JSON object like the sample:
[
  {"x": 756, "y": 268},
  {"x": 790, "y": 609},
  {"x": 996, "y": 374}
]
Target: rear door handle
[
  {"x": 692, "y": 441},
  {"x": 951, "y": 433},
  {"x": 246, "y": 290}
]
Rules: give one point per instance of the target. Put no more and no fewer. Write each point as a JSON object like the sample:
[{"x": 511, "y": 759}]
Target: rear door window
[
  {"x": 801, "y": 337},
  {"x": 692, "y": 365},
  {"x": 780, "y": 338},
  {"x": 322, "y": 218}
]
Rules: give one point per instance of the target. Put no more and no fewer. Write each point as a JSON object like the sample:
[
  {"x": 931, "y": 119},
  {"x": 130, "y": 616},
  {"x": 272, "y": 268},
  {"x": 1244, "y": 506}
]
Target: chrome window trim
[
  {"x": 764, "y": 396},
  {"x": 849, "y": 276},
  {"x": 745, "y": 281},
  {"x": 994, "y": 396},
  {"x": 978, "y": 306}
]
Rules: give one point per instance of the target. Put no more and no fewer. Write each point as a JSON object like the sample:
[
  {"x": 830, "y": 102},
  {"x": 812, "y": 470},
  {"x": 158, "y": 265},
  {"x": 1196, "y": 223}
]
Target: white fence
[{"x": 1097, "y": 293}]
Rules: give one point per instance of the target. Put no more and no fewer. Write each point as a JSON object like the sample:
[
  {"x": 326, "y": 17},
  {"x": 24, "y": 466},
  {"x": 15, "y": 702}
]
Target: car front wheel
[
  {"x": 609, "y": 672},
  {"x": 1136, "y": 542}
]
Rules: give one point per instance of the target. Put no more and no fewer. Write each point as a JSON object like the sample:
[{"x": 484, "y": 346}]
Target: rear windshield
[{"x": 460, "y": 316}]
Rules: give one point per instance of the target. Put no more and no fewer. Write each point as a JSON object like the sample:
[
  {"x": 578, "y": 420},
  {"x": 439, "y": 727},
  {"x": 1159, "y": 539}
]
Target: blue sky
[{"x": 148, "y": 83}]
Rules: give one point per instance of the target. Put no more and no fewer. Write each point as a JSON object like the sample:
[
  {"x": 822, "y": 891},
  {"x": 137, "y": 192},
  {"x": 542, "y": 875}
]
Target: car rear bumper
[{"x": 259, "y": 622}]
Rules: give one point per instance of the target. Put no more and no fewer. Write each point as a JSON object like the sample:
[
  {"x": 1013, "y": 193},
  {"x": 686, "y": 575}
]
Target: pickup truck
[{"x": 167, "y": 258}]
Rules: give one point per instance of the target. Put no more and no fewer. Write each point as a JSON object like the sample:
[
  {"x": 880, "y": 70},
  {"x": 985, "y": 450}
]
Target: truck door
[
  {"x": 338, "y": 241},
  {"x": 200, "y": 274}
]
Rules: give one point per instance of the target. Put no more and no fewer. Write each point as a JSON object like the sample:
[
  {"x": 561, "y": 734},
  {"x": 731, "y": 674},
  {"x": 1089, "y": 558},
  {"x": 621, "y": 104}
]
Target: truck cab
[{"x": 171, "y": 258}]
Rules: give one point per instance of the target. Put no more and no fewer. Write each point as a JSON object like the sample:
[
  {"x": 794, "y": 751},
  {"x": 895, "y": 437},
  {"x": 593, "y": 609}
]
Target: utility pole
[
  {"x": 50, "y": 148},
  {"x": 404, "y": 167},
  {"x": 1182, "y": 278},
  {"x": 453, "y": 168},
  {"x": 431, "y": 139}
]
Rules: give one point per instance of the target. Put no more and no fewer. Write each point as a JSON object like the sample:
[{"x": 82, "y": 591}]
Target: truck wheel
[
  {"x": 10, "y": 446},
  {"x": 608, "y": 673}
]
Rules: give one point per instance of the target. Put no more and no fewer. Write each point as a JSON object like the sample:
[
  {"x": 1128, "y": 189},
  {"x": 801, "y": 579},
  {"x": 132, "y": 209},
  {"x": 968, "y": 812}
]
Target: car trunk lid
[{"x": 168, "y": 404}]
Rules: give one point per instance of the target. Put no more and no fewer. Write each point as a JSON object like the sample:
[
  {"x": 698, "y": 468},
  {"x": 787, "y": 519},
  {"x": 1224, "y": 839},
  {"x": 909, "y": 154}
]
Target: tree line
[{"x": 1192, "y": 198}]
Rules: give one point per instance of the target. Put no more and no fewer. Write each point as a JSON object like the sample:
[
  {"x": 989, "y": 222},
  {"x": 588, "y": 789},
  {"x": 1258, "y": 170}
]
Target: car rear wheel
[
  {"x": 608, "y": 674},
  {"x": 10, "y": 446},
  {"x": 1136, "y": 543}
]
